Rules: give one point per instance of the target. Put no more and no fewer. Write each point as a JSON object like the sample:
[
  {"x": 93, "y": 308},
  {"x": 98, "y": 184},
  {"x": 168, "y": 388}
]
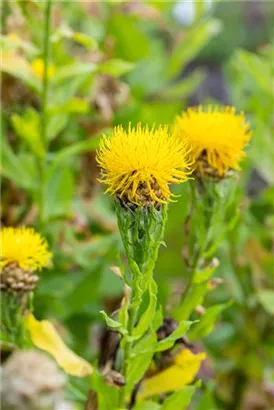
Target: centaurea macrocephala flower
[
  {"x": 216, "y": 137},
  {"x": 138, "y": 164}
]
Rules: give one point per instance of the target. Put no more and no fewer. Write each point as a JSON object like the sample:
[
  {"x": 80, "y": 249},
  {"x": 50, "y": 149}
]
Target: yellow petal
[
  {"x": 182, "y": 372},
  {"x": 45, "y": 337}
]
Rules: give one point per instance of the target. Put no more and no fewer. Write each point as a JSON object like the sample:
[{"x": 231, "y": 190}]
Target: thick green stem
[
  {"x": 141, "y": 232},
  {"x": 132, "y": 317},
  {"x": 198, "y": 252},
  {"x": 46, "y": 46},
  {"x": 44, "y": 121}
]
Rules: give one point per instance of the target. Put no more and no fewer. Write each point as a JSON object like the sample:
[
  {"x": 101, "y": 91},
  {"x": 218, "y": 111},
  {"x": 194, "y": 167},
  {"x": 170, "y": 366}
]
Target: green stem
[
  {"x": 4, "y": 13},
  {"x": 197, "y": 255},
  {"x": 46, "y": 45},
  {"x": 44, "y": 121},
  {"x": 132, "y": 317},
  {"x": 79, "y": 396}
]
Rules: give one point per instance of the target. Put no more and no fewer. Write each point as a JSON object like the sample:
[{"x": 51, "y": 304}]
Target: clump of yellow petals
[
  {"x": 138, "y": 164},
  {"x": 215, "y": 134},
  {"x": 25, "y": 247},
  {"x": 38, "y": 67}
]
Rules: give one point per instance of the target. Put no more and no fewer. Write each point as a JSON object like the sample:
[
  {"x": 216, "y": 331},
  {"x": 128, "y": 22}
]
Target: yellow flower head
[
  {"x": 139, "y": 164},
  {"x": 25, "y": 247},
  {"x": 216, "y": 135},
  {"x": 38, "y": 68}
]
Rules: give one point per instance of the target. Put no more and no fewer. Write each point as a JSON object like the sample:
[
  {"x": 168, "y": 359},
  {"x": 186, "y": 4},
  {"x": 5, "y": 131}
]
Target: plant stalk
[
  {"x": 132, "y": 317},
  {"x": 44, "y": 120}
]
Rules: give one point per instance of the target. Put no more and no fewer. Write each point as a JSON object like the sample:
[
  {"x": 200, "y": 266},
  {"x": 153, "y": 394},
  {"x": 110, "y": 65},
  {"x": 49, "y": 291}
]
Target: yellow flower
[
  {"x": 38, "y": 68},
  {"x": 215, "y": 135},
  {"x": 25, "y": 247},
  {"x": 139, "y": 164}
]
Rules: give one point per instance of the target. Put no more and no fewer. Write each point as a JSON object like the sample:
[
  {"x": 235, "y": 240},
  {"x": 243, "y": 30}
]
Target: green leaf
[
  {"x": 58, "y": 193},
  {"x": 207, "y": 322},
  {"x": 73, "y": 106},
  {"x": 28, "y": 128},
  {"x": 184, "y": 88},
  {"x": 194, "y": 297},
  {"x": 147, "y": 405},
  {"x": 189, "y": 46},
  {"x": 113, "y": 324},
  {"x": 85, "y": 40},
  {"x": 116, "y": 67},
  {"x": 262, "y": 147},
  {"x": 159, "y": 112},
  {"x": 205, "y": 274},
  {"x": 257, "y": 67},
  {"x": 147, "y": 318},
  {"x": 142, "y": 354},
  {"x": 207, "y": 400},
  {"x": 107, "y": 396},
  {"x": 69, "y": 152},
  {"x": 169, "y": 341},
  {"x": 56, "y": 123},
  {"x": 14, "y": 167},
  {"x": 73, "y": 70},
  {"x": 179, "y": 400},
  {"x": 85, "y": 291},
  {"x": 131, "y": 42},
  {"x": 266, "y": 298}
]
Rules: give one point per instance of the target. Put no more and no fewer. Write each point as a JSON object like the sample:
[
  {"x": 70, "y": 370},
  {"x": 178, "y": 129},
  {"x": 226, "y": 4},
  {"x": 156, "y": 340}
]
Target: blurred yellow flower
[
  {"x": 139, "y": 164},
  {"x": 25, "y": 247},
  {"x": 215, "y": 135},
  {"x": 38, "y": 67},
  {"x": 45, "y": 337},
  {"x": 182, "y": 372}
]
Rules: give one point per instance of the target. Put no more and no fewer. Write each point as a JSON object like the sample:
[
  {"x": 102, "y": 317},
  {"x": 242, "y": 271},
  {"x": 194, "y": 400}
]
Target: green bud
[{"x": 142, "y": 231}]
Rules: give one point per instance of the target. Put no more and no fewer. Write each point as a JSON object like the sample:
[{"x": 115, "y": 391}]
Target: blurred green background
[{"x": 119, "y": 62}]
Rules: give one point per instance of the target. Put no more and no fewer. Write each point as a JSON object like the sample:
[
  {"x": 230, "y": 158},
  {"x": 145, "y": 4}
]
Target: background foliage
[{"x": 119, "y": 62}]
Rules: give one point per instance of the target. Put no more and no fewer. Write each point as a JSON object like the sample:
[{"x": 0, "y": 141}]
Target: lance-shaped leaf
[
  {"x": 113, "y": 324},
  {"x": 207, "y": 322},
  {"x": 147, "y": 405},
  {"x": 179, "y": 400},
  {"x": 205, "y": 274},
  {"x": 140, "y": 360},
  {"x": 169, "y": 341},
  {"x": 45, "y": 337},
  {"x": 148, "y": 316},
  {"x": 194, "y": 297}
]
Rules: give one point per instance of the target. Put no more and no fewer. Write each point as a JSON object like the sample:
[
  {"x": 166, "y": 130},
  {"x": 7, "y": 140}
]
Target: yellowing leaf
[
  {"x": 13, "y": 63},
  {"x": 45, "y": 337},
  {"x": 181, "y": 372}
]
